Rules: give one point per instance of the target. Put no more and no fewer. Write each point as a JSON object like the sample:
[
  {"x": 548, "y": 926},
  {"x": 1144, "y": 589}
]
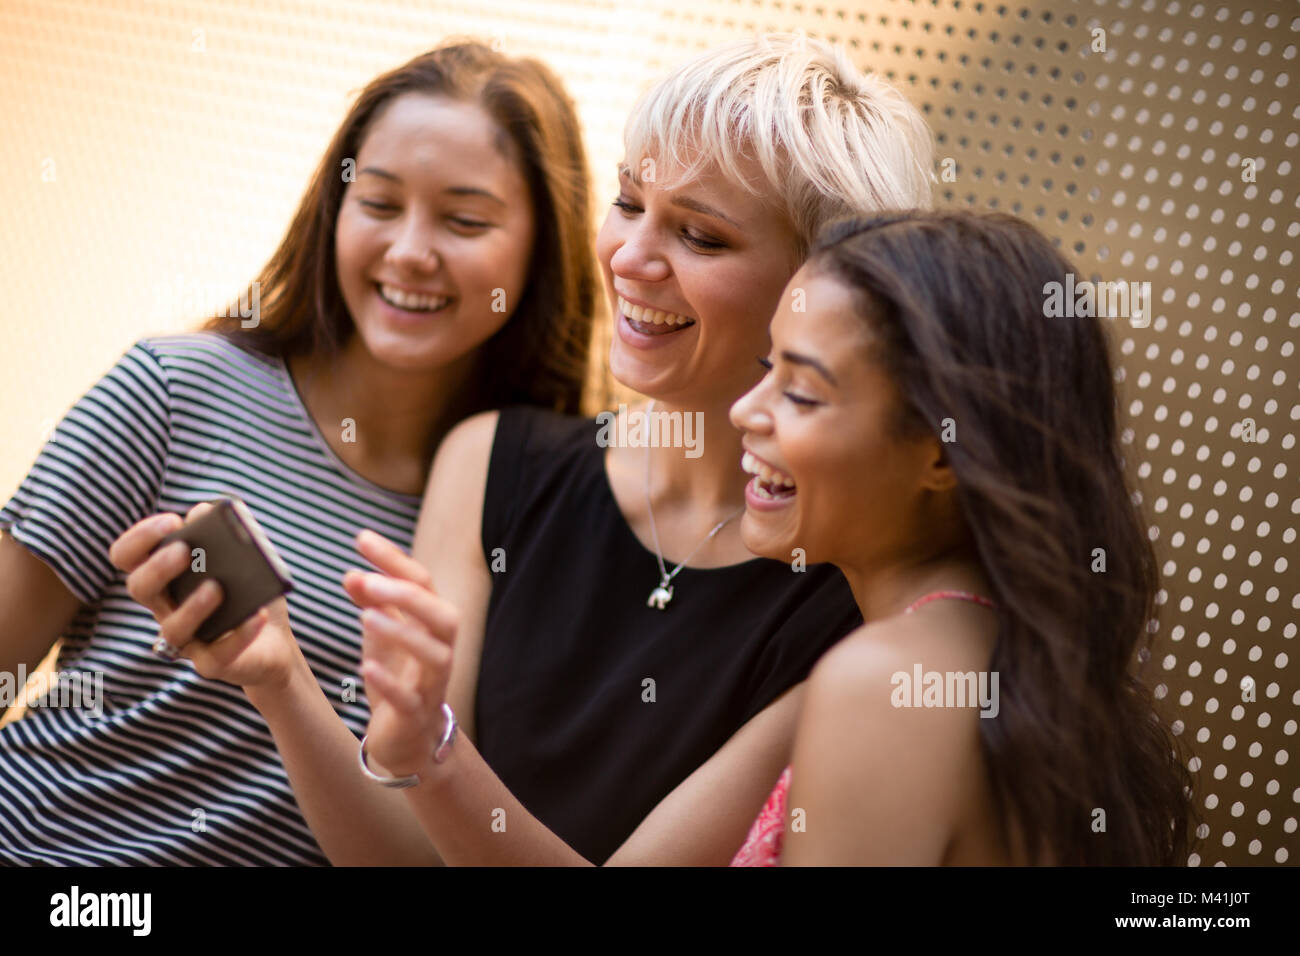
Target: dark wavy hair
[
  {"x": 539, "y": 357},
  {"x": 957, "y": 302}
]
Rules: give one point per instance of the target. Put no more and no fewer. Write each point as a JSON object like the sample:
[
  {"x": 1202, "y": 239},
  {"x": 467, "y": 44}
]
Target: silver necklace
[{"x": 661, "y": 595}]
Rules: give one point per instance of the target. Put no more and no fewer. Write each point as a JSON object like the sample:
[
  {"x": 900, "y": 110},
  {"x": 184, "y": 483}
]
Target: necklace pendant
[{"x": 660, "y": 596}]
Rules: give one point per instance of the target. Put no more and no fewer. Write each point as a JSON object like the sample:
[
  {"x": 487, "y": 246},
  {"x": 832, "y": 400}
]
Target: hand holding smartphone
[{"x": 227, "y": 545}]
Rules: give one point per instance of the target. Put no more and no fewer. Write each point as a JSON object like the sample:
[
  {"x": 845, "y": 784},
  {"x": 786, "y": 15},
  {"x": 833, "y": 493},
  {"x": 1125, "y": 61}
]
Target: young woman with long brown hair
[{"x": 438, "y": 265}]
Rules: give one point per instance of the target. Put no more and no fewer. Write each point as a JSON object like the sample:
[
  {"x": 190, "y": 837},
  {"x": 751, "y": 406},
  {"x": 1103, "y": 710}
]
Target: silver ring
[{"x": 166, "y": 649}]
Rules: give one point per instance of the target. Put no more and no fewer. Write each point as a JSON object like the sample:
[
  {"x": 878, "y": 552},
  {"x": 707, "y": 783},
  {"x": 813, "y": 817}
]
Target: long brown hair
[
  {"x": 539, "y": 356},
  {"x": 957, "y": 300}
]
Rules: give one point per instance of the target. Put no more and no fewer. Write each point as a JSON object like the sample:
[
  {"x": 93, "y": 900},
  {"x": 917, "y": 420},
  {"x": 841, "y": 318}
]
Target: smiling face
[
  {"x": 694, "y": 272},
  {"x": 434, "y": 236},
  {"x": 831, "y": 476}
]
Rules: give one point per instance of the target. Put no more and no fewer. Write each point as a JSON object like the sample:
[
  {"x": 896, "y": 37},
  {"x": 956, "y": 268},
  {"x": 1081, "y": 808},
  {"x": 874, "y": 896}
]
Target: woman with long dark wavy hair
[
  {"x": 926, "y": 427},
  {"x": 439, "y": 264}
]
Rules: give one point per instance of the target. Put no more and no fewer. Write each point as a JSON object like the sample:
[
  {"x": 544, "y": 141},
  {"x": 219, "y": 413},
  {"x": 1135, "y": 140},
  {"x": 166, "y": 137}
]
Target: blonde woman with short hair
[{"x": 623, "y": 673}]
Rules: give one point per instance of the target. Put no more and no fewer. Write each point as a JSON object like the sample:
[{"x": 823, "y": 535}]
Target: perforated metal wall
[{"x": 1155, "y": 140}]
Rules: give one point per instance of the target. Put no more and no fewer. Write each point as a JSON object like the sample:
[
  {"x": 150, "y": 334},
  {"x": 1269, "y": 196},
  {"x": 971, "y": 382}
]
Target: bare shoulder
[
  {"x": 865, "y": 719},
  {"x": 944, "y": 635},
  {"x": 864, "y": 659},
  {"x": 452, "y": 510},
  {"x": 877, "y": 679},
  {"x": 463, "y": 456}
]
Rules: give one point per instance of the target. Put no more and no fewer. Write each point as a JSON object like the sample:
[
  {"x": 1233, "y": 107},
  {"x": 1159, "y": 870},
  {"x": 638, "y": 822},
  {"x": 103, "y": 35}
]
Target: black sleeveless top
[{"x": 591, "y": 706}]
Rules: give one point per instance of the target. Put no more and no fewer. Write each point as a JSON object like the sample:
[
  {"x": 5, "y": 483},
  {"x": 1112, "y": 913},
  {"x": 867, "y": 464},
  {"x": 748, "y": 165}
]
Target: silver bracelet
[{"x": 439, "y": 755}]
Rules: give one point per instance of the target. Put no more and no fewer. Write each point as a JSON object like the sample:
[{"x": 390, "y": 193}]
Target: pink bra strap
[{"x": 959, "y": 595}]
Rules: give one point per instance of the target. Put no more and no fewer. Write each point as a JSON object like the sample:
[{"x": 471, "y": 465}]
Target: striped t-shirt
[{"x": 169, "y": 768}]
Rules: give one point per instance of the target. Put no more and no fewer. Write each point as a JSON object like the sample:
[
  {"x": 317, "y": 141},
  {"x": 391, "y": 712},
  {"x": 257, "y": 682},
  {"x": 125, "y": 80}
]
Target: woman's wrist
[
  {"x": 295, "y": 685},
  {"x": 428, "y": 767}
]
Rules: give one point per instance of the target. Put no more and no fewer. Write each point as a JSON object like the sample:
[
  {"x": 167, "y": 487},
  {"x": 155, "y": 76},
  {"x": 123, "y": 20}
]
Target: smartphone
[{"x": 227, "y": 545}]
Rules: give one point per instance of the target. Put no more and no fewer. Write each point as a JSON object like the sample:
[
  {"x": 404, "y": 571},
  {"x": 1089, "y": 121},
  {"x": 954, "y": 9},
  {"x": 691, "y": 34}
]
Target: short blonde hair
[{"x": 831, "y": 140}]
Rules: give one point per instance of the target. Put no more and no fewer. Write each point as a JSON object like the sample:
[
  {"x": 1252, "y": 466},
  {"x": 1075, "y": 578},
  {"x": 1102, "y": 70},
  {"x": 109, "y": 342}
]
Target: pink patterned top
[{"x": 763, "y": 845}]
